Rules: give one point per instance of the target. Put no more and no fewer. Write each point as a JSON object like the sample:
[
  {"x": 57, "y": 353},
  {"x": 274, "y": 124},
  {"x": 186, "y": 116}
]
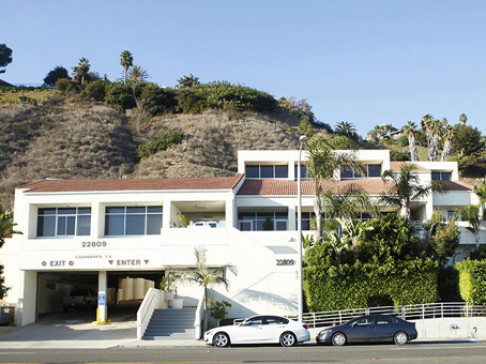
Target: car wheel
[
  {"x": 400, "y": 338},
  {"x": 221, "y": 340},
  {"x": 288, "y": 339},
  {"x": 339, "y": 339}
]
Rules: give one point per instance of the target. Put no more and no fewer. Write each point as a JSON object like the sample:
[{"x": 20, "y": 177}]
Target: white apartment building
[{"x": 94, "y": 233}]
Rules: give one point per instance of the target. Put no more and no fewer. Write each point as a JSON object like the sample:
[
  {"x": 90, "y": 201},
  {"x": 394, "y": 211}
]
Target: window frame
[
  {"x": 359, "y": 174},
  {"x": 126, "y": 214},
  {"x": 79, "y": 212},
  {"x": 265, "y": 166}
]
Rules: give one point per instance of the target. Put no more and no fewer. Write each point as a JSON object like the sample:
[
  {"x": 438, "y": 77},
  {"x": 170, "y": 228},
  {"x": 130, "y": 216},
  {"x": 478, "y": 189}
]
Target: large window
[
  {"x": 441, "y": 176},
  {"x": 63, "y": 221},
  {"x": 266, "y": 171},
  {"x": 260, "y": 221},
  {"x": 303, "y": 172},
  {"x": 370, "y": 171},
  {"x": 133, "y": 220}
]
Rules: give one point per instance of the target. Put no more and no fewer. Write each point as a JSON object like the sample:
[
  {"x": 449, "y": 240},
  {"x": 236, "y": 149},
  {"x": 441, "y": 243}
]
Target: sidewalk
[{"x": 80, "y": 334}]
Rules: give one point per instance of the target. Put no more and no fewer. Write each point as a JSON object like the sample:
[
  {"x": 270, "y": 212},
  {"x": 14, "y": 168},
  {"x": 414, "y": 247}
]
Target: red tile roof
[
  {"x": 136, "y": 184},
  {"x": 458, "y": 186},
  {"x": 289, "y": 188},
  {"x": 396, "y": 166}
]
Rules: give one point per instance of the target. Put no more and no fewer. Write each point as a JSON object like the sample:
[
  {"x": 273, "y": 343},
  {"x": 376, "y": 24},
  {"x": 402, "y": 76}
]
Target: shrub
[
  {"x": 55, "y": 74},
  {"x": 155, "y": 99},
  {"x": 472, "y": 281},
  {"x": 396, "y": 155},
  {"x": 121, "y": 96},
  {"x": 65, "y": 85},
  {"x": 403, "y": 140},
  {"x": 192, "y": 101},
  {"x": 160, "y": 142},
  {"x": 95, "y": 90}
]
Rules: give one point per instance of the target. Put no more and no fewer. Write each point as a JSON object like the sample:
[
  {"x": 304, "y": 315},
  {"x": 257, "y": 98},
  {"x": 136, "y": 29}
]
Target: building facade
[{"x": 95, "y": 233}]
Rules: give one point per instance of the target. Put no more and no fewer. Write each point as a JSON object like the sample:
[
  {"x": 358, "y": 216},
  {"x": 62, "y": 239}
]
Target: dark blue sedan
[{"x": 370, "y": 328}]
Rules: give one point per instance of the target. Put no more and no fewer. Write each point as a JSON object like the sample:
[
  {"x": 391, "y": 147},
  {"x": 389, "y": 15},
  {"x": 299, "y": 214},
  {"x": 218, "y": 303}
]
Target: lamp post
[{"x": 303, "y": 139}]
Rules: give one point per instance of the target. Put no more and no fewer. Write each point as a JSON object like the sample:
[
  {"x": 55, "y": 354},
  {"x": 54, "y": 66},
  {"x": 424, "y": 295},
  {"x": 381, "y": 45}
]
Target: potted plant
[{"x": 167, "y": 284}]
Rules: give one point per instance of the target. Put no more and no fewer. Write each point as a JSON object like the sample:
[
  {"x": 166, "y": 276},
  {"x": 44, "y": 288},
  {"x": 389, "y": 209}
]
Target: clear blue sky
[{"x": 363, "y": 61}]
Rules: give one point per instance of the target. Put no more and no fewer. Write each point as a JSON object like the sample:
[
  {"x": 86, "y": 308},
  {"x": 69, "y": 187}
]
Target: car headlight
[
  {"x": 324, "y": 332},
  {"x": 210, "y": 332}
]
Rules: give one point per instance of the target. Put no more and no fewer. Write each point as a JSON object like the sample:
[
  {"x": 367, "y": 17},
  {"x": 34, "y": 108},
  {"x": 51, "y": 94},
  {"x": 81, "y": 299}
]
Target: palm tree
[
  {"x": 137, "y": 75},
  {"x": 126, "y": 61},
  {"x": 406, "y": 187},
  {"x": 448, "y": 137},
  {"x": 322, "y": 163},
  {"x": 81, "y": 70},
  {"x": 208, "y": 277},
  {"x": 471, "y": 215},
  {"x": 432, "y": 128},
  {"x": 410, "y": 130},
  {"x": 6, "y": 225},
  {"x": 463, "y": 119},
  {"x": 346, "y": 129},
  {"x": 480, "y": 191}
]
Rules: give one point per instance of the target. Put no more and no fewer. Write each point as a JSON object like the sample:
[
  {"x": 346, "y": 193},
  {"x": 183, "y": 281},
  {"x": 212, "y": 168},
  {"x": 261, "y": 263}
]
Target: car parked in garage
[
  {"x": 370, "y": 328},
  {"x": 265, "y": 329},
  {"x": 79, "y": 299}
]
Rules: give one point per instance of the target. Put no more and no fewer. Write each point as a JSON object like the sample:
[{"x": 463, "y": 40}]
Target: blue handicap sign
[{"x": 101, "y": 299}]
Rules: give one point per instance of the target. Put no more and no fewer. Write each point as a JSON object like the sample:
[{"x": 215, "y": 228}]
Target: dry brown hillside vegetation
[{"x": 67, "y": 139}]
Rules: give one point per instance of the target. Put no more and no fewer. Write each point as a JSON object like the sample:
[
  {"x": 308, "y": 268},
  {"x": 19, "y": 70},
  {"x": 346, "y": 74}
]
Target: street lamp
[{"x": 303, "y": 139}]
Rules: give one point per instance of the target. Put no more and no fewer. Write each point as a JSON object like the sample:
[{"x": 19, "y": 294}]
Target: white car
[{"x": 265, "y": 329}]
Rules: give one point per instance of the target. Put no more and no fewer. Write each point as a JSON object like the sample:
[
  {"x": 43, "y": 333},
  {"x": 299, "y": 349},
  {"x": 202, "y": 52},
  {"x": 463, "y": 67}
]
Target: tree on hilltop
[
  {"x": 188, "y": 81},
  {"x": 126, "y": 61},
  {"x": 81, "y": 70},
  {"x": 5, "y": 57},
  {"x": 55, "y": 74}
]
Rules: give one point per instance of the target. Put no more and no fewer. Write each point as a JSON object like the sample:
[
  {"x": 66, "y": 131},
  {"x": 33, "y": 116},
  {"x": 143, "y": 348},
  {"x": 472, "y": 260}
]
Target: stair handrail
[
  {"x": 151, "y": 301},
  {"x": 199, "y": 314}
]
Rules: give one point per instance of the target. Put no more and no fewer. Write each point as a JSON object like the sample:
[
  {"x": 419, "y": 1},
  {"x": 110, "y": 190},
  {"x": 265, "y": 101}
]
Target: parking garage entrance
[{"x": 74, "y": 295}]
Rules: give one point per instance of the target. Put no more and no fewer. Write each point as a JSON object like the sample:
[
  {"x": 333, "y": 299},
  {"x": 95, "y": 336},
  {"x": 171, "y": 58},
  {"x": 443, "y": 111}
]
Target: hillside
[{"x": 56, "y": 138}]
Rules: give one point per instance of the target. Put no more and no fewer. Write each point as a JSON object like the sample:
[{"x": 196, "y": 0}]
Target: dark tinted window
[
  {"x": 275, "y": 320},
  {"x": 266, "y": 172},
  {"x": 252, "y": 171},
  {"x": 374, "y": 170},
  {"x": 281, "y": 172}
]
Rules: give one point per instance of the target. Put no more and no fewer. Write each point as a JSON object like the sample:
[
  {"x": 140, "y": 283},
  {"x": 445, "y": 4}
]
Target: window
[
  {"x": 259, "y": 221},
  {"x": 364, "y": 321},
  {"x": 63, "y": 221},
  {"x": 441, "y": 176},
  {"x": 450, "y": 214},
  {"x": 371, "y": 171},
  {"x": 383, "y": 320},
  {"x": 266, "y": 171},
  {"x": 303, "y": 172},
  {"x": 133, "y": 220},
  {"x": 275, "y": 320},
  {"x": 306, "y": 220}
]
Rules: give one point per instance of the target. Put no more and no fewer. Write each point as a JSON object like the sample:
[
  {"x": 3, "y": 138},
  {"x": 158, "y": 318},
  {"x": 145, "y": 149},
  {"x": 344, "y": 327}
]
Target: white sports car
[{"x": 259, "y": 330}]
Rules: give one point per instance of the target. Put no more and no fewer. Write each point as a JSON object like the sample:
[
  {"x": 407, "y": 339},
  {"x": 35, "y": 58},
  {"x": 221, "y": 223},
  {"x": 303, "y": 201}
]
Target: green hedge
[
  {"x": 472, "y": 281},
  {"x": 350, "y": 286},
  {"x": 161, "y": 141}
]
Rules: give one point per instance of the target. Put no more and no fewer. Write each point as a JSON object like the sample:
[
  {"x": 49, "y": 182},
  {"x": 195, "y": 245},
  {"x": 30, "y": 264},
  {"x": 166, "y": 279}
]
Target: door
[
  {"x": 249, "y": 332},
  {"x": 362, "y": 329},
  {"x": 246, "y": 225}
]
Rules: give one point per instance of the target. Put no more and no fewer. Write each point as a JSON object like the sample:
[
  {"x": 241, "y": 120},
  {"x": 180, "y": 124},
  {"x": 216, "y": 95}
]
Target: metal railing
[{"x": 409, "y": 312}]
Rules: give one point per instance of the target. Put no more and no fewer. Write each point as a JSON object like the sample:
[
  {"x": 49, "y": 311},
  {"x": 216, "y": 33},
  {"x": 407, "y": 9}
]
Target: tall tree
[
  {"x": 126, "y": 61},
  {"x": 410, "y": 130},
  {"x": 187, "y": 81},
  {"x": 471, "y": 215},
  {"x": 5, "y": 57},
  {"x": 463, "y": 119},
  {"x": 6, "y": 229},
  {"x": 406, "y": 187},
  {"x": 137, "y": 76},
  {"x": 322, "y": 163},
  {"x": 346, "y": 129},
  {"x": 432, "y": 129},
  {"x": 55, "y": 74},
  {"x": 448, "y": 138},
  {"x": 208, "y": 277},
  {"x": 81, "y": 70}
]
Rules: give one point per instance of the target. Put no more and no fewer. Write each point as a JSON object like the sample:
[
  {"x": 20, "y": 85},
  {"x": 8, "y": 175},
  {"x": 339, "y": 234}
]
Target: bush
[
  {"x": 95, "y": 90},
  {"x": 121, "y": 96},
  {"x": 403, "y": 140},
  {"x": 155, "y": 99},
  {"x": 57, "y": 73},
  {"x": 65, "y": 85},
  {"x": 396, "y": 155},
  {"x": 472, "y": 281},
  {"x": 192, "y": 101},
  {"x": 160, "y": 142}
]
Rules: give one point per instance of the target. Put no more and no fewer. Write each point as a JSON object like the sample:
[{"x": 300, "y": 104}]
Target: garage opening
[{"x": 74, "y": 295}]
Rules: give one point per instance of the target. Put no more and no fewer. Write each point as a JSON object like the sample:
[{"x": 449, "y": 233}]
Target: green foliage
[
  {"x": 350, "y": 286},
  {"x": 120, "y": 96},
  {"x": 445, "y": 241},
  {"x": 159, "y": 142},
  {"x": 219, "y": 310},
  {"x": 449, "y": 285},
  {"x": 305, "y": 126},
  {"x": 94, "y": 91},
  {"x": 65, "y": 85},
  {"x": 187, "y": 81},
  {"x": 472, "y": 278},
  {"x": 81, "y": 70},
  {"x": 3, "y": 289},
  {"x": 156, "y": 100},
  {"x": 396, "y": 155},
  {"x": 468, "y": 141},
  {"x": 192, "y": 101},
  {"x": 389, "y": 264},
  {"x": 55, "y": 74},
  {"x": 478, "y": 254},
  {"x": 403, "y": 140},
  {"x": 5, "y": 57}
]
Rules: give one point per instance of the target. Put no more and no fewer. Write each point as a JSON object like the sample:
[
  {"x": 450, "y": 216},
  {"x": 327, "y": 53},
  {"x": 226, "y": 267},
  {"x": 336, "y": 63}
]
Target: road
[{"x": 439, "y": 352}]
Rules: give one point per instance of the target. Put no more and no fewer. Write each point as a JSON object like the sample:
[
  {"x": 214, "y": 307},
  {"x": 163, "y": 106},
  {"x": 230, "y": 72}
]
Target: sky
[{"x": 366, "y": 62}]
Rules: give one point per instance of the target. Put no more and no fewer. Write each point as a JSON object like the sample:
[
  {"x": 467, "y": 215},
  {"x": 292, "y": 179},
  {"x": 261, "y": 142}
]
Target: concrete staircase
[{"x": 171, "y": 324}]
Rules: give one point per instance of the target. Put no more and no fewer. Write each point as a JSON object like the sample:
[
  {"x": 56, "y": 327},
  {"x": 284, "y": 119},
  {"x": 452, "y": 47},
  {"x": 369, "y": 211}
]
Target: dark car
[{"x": 371, "y": 328}]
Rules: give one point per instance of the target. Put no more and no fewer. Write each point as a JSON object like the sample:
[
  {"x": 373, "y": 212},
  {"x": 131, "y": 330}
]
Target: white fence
[{"x": 409, "y": 312}]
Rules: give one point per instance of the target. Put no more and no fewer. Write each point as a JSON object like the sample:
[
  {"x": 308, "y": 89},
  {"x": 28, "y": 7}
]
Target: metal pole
[{"x": 299, "y": 228}]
